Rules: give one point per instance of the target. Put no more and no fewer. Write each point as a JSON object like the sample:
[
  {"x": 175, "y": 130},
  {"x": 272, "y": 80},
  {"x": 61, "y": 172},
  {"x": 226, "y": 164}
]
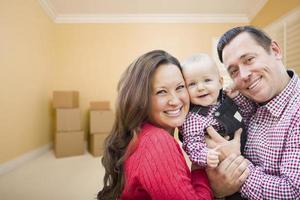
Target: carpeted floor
[{"x": 49, "y": 178}]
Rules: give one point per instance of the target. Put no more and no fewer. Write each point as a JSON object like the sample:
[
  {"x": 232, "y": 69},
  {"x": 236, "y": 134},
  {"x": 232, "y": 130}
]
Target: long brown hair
[{"x": 132, "y": 107}]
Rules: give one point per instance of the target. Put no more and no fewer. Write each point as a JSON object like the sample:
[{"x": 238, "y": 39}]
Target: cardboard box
[
  {"x": 68, "y": 119},
  {"x": 96, "y": 143},
  {"x": 68, "y": 143},
  {"x": 65, "y": 99},
  {"x": 101, "y": 121},
  {"x": 99, "y": 105}
]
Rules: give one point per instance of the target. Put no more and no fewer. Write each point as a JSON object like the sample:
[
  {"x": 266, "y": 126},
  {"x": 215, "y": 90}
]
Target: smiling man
[{"x": 254, "y": 62}]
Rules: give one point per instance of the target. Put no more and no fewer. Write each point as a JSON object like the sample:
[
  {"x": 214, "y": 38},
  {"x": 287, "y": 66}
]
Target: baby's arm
[{"x": 194, "y": 139}]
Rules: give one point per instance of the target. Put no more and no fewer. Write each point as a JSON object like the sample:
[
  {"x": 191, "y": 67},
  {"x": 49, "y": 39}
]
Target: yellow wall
[
  {"x": 26, "y": 55},
  {"x": 91, "y": 57},
  {"x": 38, "y": 56},
  {"x": 273, "y": 10}
]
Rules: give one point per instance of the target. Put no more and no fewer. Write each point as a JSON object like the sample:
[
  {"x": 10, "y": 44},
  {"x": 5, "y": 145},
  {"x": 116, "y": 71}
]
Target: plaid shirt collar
[{"x": 279, "y": 102}]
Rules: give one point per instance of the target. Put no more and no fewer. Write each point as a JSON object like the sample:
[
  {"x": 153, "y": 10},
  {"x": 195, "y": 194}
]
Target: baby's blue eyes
[{"x": 194, "y": 83}]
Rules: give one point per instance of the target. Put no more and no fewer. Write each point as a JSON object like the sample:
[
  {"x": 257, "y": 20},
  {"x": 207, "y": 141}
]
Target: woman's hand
[{"x": 216, "y": 141}]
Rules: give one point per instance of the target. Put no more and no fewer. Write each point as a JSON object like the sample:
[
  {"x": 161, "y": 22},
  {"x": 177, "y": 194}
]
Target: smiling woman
[
  {"x": 169, "y": 98},
  {"x": 142, "y": 160}
]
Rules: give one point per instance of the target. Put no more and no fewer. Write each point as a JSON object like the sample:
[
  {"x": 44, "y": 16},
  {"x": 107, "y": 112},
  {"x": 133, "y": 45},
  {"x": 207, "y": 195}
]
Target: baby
[{"x": 210, "y": 106}]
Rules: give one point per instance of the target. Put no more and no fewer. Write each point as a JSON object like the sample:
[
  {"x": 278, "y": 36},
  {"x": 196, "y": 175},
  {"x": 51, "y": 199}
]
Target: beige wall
[
  {"x": 38, "y": 56},
  {"x": 26, "y": 55},
  {"x": 273, "y": 10},
  {"x": 91, "y": 57}
]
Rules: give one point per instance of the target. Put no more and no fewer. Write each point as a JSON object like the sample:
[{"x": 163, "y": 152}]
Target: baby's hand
[
  {"x": 212, "y": 158},
  {"x": 231, "y": 91}
]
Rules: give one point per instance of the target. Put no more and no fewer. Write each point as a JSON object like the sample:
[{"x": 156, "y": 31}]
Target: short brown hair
[{"x": 258, "y": 35}]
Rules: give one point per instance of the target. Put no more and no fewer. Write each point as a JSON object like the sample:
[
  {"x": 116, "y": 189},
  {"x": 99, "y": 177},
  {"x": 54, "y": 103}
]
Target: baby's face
[{"x": 203, "y": 83}]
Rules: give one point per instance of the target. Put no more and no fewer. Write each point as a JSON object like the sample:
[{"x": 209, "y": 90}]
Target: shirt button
[{"x": 217, "y": 114}]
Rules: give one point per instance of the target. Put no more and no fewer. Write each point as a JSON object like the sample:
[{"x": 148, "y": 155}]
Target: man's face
[{"x": 257, "y": 74}]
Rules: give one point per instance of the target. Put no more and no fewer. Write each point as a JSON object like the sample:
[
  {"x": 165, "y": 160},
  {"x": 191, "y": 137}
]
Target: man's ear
[{"x": 275, "y": 49}]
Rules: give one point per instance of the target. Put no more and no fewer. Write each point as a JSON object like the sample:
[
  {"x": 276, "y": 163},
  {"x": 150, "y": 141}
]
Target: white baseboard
[{"x": 10, "y": 165}]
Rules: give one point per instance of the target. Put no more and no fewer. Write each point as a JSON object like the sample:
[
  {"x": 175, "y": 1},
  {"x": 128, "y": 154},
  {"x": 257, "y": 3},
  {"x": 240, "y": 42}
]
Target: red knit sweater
[{"x": 157, "y": 170}]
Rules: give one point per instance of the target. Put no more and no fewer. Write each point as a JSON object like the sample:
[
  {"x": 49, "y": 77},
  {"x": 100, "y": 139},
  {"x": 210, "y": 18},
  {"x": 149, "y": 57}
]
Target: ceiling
[{"x": 107, "y": 11}]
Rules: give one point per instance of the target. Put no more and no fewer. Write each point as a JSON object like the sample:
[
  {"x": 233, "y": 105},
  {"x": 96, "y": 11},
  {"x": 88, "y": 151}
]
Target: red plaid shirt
[
  {"x": 194, "y": 128},
  {"x": 273, "y": 147},
  {"x": 193, "y": 132}
]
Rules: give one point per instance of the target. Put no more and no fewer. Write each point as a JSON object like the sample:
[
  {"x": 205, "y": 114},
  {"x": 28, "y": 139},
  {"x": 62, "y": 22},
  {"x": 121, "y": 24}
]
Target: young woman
[{"x": 142, "y": 160}]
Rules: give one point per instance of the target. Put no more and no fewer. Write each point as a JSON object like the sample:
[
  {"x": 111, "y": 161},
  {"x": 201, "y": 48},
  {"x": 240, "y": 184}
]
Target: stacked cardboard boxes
[
  {"x": 68, "y": 137},
  {"x": 101, "y": 122}
]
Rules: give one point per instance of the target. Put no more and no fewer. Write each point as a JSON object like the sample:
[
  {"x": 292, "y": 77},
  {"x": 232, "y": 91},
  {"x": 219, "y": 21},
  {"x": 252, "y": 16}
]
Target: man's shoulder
[
  {"x": 294, "y": 103},
  {"x": 292, "y": 107},
  {"x": 295, "y": 97},
  {"x": 291, "y": 95}
]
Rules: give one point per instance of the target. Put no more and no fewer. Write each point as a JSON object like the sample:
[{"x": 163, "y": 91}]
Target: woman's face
[{"x": 169, "y": 102}]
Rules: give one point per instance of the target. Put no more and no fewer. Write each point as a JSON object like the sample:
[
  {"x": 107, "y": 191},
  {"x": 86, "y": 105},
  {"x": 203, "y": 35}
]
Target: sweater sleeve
[{"x": 164, "y": 173}]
